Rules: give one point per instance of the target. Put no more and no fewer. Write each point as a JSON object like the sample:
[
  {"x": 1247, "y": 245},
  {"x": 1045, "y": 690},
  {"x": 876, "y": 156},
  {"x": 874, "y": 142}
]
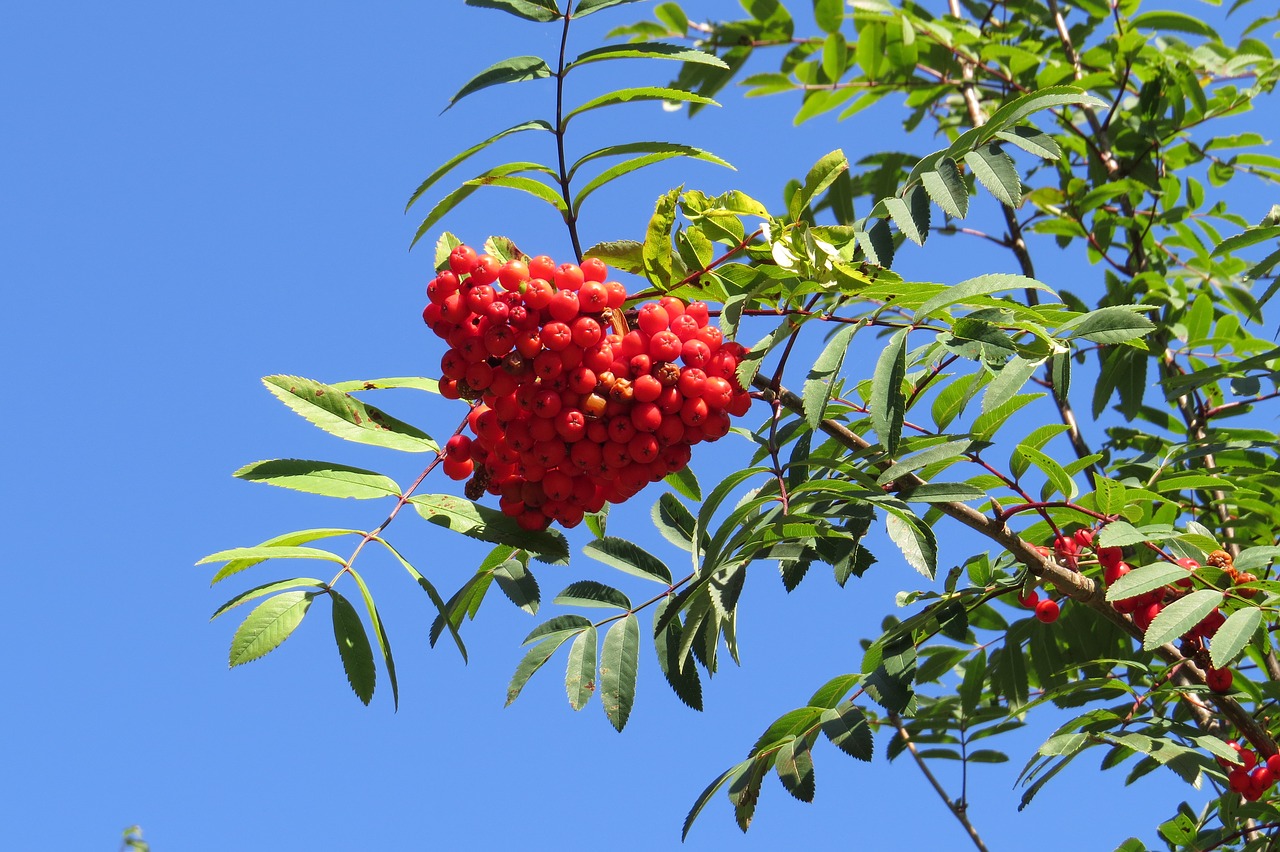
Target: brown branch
[{"x": 958, "y": 809}]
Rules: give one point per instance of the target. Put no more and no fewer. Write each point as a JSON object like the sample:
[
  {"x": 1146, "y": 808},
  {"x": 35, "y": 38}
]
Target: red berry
[
  {"x": 594, "y": 269},
  {"x": 653, "y": 319},
  {"x": 568, "y": 276},
  {"x": 512, "y": 274},
  {"x": 1219, "y": 680},
  {"x": 542, "y": 267},
  {"x": 462, "y": 260},
  {"x": 1030, "y": 599},
  {"x": 485, "y": 270},
  {"x": 1047, "y": 611}
]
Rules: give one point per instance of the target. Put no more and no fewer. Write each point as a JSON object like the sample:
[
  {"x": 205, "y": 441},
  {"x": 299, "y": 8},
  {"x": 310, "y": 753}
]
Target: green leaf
[
  {"x": 820, "y": 177},
  {"x": 426, "y": 586},
  {"x": 580, "y": 673},
  {"x": 533, "y": 660},
  {"x": 1234, "y": 635},
  {"x": 1175, "y": 22},
  {"x": 674, "y": 520},
  {"x": 619, "y": 658},
  {"x": 888, "y": 403},
  {"x": 586, "y": 7},
  {"x": 973, "y": 288},
  {"x": 1145, "y": 579},
  {"x": 641, "y": 93},
  {"x": 657, "y": 241},
  {"x": 413, "y": 382},
  {"x": 711, "y": 790},
  {"x": 656, "y": 152},
  {"x": 1180, "y": 616},
  {"x": 1250, "y": 236},
  {"x": 848, "y": 731},
  {"x": 236, "y": 565},
  {"x": 456, "y": 159},
  {"x": 481, "y": 522},
  {"x": 354, "y": 648},
  {"x": 995, "y": 170},
  {"x": 496, "y": 176},
  {"x": 1120, "y": 534},
  {"x": 915, "y": 539},
  {"x": 947, "y": 188},
  {"x": 629, "y": 558},
  {"x": 795, "y": 769},
  {"x": 266, "y": 589},
  {"x": 680, "y": 674},
  {"x": 317, "y": 477},
  {"x": 648, "y": 50},
  {"x": 346, "y": 417},
  {"x": 542, "y": 11},
  {"x": 870, "y": 53},
  {"x": 817, "y": 387},
  {"x": 589, "y": 593},
  {"x": 567, "y": 624},
  {"x": 1032, "y": 141},
  {"x": 1020, "y": 107},
  {"x": 270, "y": 623},
  {"x": 518, "y": 585},
  {"x": 380, "y": 633},
  {"x": 910, "y": 215},
  {"x": 685, "y": 482},
  {"x": 626, "y": 255},
  {"x": 829, "y": 15},
  {"x": 1113, "y": 324},
  {"x": 263, "y": 551},
  {"x": 513, "y": 70}
]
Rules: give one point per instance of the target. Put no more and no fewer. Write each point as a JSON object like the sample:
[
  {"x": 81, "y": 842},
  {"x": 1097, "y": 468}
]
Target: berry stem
[{"x": 570, "y": 216}]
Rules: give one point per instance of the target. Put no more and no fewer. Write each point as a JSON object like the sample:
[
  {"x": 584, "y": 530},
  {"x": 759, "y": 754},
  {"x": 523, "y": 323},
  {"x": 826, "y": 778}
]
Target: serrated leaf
[
  {"x": 589, "y": 593},
  {"x": 947, "y": 188},
  {"x": 1180, "y": 616},
  {"x": 586, "y": 7},
  {"x": 1234, "y": 635},
  {"x": 533, "y": 660},
  {"x": 684, "y": 481},
  {"x": 426, "y": 586},
  {"x": 580, "y": 672},
  {"x": 262, "y": 552},
  {"x": 653, "y": 153},
  {"x": 354, "y": 648},
  {"x": 324, "y": 478},
  {"x": 268, "y": 625},
  {"x": 619, "y": 658},
  {"x": 1113, "y": 324},
  {"x": 848, "y": 731},
  {"x": 481, "y": 522},
  {"x": 266, "y": 589},
  {"x": 513, "y": 70},
  {"x": 236, "y": 565},
  {"x": 542, "y": 11},
  {"x": 1019, "y": 108},
  {"x": 711, "y": 790},
  {"x": 412, "y": 382},
  {"x": 820, "y": 177},
  {"x": 973, "y": 288},
  {"x": 1173, "y": 21},
  {"x": 656, "y": 254},
  {"x": 379, "y": 633},
  {"x": 679, "y": 672},
  {"x": 569, "y": 624},
  {"x": 1120, "y": 534},
  {"x": 648, "y": 50},
  {"x": 817, "y": 387},
  {"x": 346, "y": 417},
  {"x": 888, "y": 403},
  {"x": 1145, "y": 579},
  {"x": 1032, "y": 141},
  {"x": 459, "y": 158},
  {"x": 995, "y": 170},
  {"x": 794, "y": 764},
  {"x": 626, "y": 255},
  {"x": 910, "y": 215},
  {"x": 628, "y": 557},
  {"x": 640, "y": 94},
  {"x": 674, "y": 520},
  {"x": 518, "y": 584},
  {"x": 916, "y": 541}
]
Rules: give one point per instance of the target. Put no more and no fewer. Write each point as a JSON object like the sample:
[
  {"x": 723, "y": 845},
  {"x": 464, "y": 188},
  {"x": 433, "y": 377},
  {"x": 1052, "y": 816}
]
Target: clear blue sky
[{"x": 199, "y": 195}]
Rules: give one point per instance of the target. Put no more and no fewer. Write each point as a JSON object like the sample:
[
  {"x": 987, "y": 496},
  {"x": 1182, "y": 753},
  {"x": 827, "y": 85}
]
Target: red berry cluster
[
  {"x": 1046, "y": 610},
  {"x": 577, "y": 405},
  {"x": 1249, "y": 776}
]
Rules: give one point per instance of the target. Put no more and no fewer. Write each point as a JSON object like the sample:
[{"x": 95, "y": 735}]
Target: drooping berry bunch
[
  {"x": 579, "y": 402},
  {"x": 1249, "y": 776}
]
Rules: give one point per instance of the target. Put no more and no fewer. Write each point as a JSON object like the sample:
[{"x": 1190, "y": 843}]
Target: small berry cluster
[
  {"x": 1046, "y": 609},
  {"x": 576, "y": 405},
  {"x": 1249, "y": 776}
]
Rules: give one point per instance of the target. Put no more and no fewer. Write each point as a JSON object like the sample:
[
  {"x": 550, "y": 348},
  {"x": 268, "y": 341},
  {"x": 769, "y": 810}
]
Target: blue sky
[{"x": 197, "y": 196}]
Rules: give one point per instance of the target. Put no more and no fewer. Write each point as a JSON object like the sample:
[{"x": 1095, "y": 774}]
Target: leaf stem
[{"x": 958, "y": 809}]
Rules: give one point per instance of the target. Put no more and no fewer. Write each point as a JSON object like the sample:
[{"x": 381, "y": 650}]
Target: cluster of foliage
[{"x": 1086, "y": 121}]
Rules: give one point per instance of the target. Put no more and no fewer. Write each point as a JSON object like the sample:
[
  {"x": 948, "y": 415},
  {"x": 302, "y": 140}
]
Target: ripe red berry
[
  {"x": 652, "y": 319},
  {"x": 1030, "y": 599},
  {"x": 462, "y": 260},
  {"x": 594, "y": 269},
  {"x": 1047, "y": 611},
  {"x": 513, "y": 274},
  {"x": 485, "y": 270},
  {"x": 1219, "y": 680}
]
